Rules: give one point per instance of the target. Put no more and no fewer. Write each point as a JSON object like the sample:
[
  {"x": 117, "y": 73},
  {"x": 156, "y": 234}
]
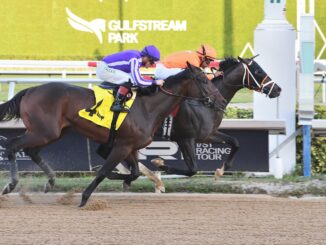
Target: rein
[{"x": 206, "y": 99}]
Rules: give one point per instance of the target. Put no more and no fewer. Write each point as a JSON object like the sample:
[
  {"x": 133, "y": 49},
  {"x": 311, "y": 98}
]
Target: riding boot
[{"x": 120, "y": 98}]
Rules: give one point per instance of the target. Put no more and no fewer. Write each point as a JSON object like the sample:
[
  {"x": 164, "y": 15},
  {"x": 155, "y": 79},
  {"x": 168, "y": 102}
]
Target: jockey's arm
[{"x": 135, "y": 74}]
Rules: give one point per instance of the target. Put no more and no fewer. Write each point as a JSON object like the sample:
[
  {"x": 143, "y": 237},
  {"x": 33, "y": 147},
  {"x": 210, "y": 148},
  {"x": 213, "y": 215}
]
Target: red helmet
[{"x": 207, "y": 51}]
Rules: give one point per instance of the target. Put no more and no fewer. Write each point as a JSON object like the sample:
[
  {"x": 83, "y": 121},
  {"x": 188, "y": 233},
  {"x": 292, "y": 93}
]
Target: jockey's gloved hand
[{"x": 159, "y": 82}]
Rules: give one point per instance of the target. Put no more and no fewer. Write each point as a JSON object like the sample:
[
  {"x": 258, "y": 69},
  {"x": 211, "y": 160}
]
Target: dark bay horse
[
  {"x": 48, "y": 109},
  {"x": 202, "y": 122}
]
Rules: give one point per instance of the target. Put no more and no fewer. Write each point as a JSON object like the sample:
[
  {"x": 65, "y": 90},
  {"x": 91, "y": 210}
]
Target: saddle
[
  {"x": 114, "y": 88},
  {"x": 100, "y": 113},
  {"x": 141, "y": 91}
]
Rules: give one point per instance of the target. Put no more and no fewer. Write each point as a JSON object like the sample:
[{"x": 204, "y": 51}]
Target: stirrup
[{"x": 119, "y": 108}]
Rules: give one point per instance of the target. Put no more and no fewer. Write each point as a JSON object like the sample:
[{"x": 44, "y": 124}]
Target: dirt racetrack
[{"x": 162, "y": 219}]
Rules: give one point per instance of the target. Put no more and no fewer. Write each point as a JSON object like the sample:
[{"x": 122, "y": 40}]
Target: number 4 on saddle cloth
[{"x": 100, "y": 113}]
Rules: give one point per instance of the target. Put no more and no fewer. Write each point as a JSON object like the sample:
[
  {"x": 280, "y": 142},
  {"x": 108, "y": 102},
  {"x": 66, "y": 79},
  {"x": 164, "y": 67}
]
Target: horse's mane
[
  {"x": 169, "y": 82},
  {"x": 172, "y": 80},
  {"x": 228, "y": 63}
]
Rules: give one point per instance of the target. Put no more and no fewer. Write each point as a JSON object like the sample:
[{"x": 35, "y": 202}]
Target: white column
[
  {"x": 306, "y": 57},
  {"x": 274, "y": 41}
]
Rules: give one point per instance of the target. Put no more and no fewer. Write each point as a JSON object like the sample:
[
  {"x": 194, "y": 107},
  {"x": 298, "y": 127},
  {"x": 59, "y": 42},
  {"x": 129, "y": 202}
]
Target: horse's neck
[
  {"x": 226, "y": 85},
  {"x": 158, "y": 106}
]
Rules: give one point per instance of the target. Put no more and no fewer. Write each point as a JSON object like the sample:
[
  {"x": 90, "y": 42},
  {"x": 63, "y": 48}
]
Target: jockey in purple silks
[{"x": 123, "y": 67}]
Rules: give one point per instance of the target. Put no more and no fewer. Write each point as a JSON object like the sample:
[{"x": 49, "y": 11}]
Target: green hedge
[
  {"x": 318, "y": 148},
  {"x": 318, "y": 144},
  {"x": 234, "y": 112}
]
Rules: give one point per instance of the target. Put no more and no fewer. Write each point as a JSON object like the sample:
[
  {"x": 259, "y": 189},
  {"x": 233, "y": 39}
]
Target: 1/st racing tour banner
[{"x": 76, "y": 153}]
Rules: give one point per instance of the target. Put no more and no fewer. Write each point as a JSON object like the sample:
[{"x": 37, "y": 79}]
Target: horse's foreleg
[
  {"x": 34, "y": 155},
  {"x": 117, "y": 155},
  {"x": 100, "y": 176},
  {"x": 123, "y": 173}
]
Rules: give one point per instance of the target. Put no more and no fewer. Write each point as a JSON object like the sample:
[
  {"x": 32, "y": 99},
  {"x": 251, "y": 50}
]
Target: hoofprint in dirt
[{"x": 163, "y": 219}]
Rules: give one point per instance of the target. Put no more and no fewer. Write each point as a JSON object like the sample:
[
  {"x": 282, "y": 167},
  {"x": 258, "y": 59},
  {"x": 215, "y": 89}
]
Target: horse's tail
[{"x": 11, "y": 109}]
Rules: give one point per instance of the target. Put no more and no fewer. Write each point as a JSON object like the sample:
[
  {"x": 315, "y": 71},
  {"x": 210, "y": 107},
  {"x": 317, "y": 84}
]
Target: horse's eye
[{"x": 258, "y": 72}]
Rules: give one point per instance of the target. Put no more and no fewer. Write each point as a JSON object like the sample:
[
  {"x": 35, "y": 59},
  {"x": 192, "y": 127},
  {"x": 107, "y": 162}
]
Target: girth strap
[{"x": 105, "y": 149}]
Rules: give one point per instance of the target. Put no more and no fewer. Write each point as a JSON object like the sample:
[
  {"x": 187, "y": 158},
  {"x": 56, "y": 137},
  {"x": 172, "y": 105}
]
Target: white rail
[
  {"x": 22, "y": 71},
  {"x": 272, "y": 126},
  {"x": 43, "y": 64},
  {"x": 44, "y": 71}
]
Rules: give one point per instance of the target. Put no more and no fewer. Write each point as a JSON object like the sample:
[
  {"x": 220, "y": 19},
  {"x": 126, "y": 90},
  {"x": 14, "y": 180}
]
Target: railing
[
  {"x": 275, "y": 127},
  {"x": 320, "y": 68},
  {"x": 40, "y": 71},
  {"x": 36, "y": 71},
  {"x": 319, "y": 127}
]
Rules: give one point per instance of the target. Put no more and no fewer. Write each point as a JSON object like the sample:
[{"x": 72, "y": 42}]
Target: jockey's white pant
[
  {"x": 111, "y": 75},
  {"x": 162, "y": 72}
]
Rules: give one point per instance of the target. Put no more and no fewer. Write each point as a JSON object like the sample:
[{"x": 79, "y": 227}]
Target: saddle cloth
[{"x": 100, "y": 113}]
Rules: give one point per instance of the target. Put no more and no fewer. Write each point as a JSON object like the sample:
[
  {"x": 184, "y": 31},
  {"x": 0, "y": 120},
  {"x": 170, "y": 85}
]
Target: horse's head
[
  {"x": 247, "y": 73},
  {"x": 255, "y": 78}
]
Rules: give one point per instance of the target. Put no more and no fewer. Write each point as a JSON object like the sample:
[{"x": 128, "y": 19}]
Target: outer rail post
[
  {"x": 11, "y": 90},
  {"x": 306, "y": 150}
]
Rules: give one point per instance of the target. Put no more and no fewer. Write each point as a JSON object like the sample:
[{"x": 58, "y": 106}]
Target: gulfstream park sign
[{"x": 122, "y": 31}]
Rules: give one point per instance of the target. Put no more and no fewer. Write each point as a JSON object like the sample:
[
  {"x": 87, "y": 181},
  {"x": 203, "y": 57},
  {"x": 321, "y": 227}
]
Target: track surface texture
[{"x": 161, "y": 219}]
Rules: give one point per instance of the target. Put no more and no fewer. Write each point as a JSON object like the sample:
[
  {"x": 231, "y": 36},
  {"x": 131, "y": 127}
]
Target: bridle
[
  {"x": 246, "y": 81},
  {"x": 248, "y": 78}
]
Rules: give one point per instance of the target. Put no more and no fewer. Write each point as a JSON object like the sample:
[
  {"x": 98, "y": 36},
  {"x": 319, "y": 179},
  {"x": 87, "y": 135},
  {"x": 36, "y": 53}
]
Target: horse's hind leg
[
  {"x": 132, "y": 161},
  {"x": 30, "y": 140},
  {"x": 131, "y": 173},
  {"x": 34, "y": 155},
  {"x": 219, "y": 137},
  {"x": 159, "y": 185},
  {"x": 187, "y": 147},
  {"x": 13, "y": 172},
  {"x": 124, "y": 174},
  {"x": 137, "y": 167},
  {"x": 128, "y": 174}
]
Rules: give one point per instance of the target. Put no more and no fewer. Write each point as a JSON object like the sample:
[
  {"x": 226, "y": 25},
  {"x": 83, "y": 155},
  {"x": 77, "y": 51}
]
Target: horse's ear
[
  {"x": 254, "y": 56},
  {"x": 241, "y": 60},
  {"x": 190, "y": 66}
]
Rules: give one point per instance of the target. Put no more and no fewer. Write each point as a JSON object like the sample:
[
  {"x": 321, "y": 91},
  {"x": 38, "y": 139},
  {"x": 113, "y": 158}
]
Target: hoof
[
  {"x": 83, "y": 201},
  {"x": 49, "y": 185},
  {"x": 159, "y": 189},
  {"x": 218, "y": 173},
  {"x": 158, "y": 162},
  {"x": 125, "y": 186},
  {"x": 8, "y": 188}
]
